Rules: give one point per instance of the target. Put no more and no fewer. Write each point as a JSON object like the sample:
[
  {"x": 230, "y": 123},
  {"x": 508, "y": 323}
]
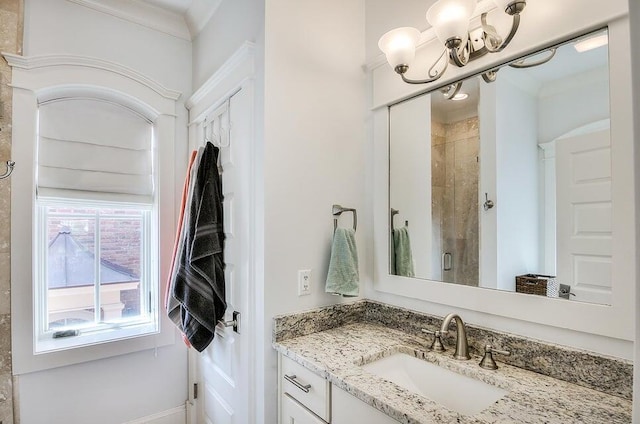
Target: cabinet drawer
[
  {"x": 308, "y": 388},
  {"x": 294, "y": 413}
]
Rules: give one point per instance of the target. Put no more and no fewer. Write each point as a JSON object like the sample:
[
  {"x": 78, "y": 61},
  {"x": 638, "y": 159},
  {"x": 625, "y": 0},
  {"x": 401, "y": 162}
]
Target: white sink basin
[{"x": 457, "y": 392}]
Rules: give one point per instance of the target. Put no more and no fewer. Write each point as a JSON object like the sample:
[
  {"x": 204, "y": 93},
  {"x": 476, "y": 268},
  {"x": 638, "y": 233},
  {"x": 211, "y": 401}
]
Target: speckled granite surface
[
  {"x": 338, "y": 353},
  {"x": 609, "y": 375},
  {"x": 308, "y": 322}
]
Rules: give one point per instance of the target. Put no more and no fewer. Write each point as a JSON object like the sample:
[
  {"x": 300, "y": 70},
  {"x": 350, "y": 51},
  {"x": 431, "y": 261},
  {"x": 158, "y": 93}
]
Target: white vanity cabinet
[
  {"x": 347, "y": 409},
  {"x": 304, "y": 396},
  {"x": 292, "y": 412},
  {"x": 307, "y": 398}
]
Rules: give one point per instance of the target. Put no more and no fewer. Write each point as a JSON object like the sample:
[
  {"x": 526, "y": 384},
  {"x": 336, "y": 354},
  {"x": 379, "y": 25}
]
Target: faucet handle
[
  {"x": 437, "y": 344},
  {"x": 487, "y": 361}
]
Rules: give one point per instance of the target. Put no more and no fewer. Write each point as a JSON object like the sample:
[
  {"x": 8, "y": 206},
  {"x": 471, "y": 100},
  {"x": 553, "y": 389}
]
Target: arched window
[
  {"x": 95, "y": 204},
  {"x": 93, "y": 209}
]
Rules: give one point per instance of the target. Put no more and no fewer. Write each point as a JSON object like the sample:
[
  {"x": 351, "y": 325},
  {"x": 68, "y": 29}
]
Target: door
[
  {"x": 583, "y": 196},
  {"x": 223, "y": 372}
]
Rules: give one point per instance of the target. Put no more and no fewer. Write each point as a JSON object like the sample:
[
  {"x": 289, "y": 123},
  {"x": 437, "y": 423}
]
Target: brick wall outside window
[{"x": 120, "y": 243}]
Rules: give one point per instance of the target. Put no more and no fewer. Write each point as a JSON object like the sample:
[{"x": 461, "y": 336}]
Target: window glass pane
[
  {"x": 121, "y": 235},
  {"x": 70, "y": 273}
]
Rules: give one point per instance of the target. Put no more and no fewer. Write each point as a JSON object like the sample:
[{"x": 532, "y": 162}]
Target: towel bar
[
  {"x": 394, "y": 212},
  {"x": 337, "y": 210}
]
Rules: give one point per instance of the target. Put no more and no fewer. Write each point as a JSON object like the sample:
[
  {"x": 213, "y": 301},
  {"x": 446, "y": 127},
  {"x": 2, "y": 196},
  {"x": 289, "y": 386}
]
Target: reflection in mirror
[{"x": 507, "y": 184}]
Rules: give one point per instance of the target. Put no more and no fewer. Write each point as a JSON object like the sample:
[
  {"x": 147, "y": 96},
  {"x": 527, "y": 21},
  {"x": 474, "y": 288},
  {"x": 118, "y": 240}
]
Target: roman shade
[{"x": 94, "y": 149}]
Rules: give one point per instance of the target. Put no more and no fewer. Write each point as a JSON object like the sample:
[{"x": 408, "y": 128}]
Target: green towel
[
  {"x": 402, "y": 252},
  {"x": 342, "y": 277}
]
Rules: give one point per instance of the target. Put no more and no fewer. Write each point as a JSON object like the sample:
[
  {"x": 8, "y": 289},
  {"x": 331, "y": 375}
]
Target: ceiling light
[
  {"x": 591, "y": 43},
  {"x": 450, "y": 20},
  {"x": 460, "y": 96}
]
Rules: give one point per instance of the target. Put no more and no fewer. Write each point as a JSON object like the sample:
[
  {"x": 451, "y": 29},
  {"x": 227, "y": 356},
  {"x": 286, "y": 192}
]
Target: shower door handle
[{"x": 446, "y": 261}]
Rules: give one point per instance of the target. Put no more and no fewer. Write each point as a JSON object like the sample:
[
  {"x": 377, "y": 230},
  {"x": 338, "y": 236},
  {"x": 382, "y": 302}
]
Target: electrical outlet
[{"x": 304, "y": 282}]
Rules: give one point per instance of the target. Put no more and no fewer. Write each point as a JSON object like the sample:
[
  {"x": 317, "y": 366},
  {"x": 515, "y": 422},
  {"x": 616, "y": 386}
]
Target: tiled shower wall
[
  {"x": 11, "y": 28},
  {"x": 455, "y": 173}
]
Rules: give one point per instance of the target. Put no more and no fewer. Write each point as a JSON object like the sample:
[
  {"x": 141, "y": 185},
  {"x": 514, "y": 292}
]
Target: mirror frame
[{"x": 603, "y": 320}]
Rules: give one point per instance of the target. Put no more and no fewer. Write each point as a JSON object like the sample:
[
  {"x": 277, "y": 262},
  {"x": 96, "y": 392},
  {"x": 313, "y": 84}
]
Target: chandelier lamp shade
[{"x": 450, "y": 20}]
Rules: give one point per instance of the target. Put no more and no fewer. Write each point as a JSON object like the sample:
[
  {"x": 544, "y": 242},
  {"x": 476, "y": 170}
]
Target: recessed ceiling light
[
  {"x": 591, "y": 43},
  {"x": 460, "y": 96}
]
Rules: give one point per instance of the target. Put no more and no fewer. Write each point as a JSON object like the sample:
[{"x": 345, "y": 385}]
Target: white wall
[
  {"x": 516, "y": 183},
  {"x": 129, "y": 386},
  {"x": 580, "y": 101},
  {"x": 410, "y": 178},
  {"x": 314, "y": 151},
  {"x": 233, "y": 23},
  {"x": 109, "y": 391},
  {"x": 488, "y": 220}
]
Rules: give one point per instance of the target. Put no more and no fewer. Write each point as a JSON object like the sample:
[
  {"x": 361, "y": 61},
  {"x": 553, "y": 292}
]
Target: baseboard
[{"x": 177, "y": 415}]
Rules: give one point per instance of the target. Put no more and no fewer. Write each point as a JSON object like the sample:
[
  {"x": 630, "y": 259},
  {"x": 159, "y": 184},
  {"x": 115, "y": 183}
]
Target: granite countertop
[{"x": 336, "y": 354}]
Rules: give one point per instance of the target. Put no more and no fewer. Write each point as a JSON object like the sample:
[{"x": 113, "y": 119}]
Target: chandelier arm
[
  {"x": 522, "y": 64},
  {"x": 514, "y": 28},
  {"x": 490, "y": 36},
  {"x": 490, "y": 76},
  {"x": 433, "y": 76},
  {"x": 421, "y": 81},
  {"x": 432, "y": 73},
  {"x": 451, "y": 93},
  {"x": 455, "y": 54},
  {"x": 477, "y": 54},
  {"x": 9, "y": 164}
]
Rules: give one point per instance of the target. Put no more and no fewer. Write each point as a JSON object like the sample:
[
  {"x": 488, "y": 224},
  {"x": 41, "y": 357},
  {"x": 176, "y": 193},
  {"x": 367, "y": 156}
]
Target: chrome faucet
[{"x": 462, "y": 347}]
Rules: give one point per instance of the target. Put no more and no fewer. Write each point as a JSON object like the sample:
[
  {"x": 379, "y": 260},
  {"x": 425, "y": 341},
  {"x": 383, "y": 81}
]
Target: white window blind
[{"x": 94, "y": 149}]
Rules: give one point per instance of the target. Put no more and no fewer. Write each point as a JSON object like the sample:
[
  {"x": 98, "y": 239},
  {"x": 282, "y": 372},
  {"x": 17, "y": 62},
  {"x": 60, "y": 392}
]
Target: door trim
[{"x": 236, "y": 74}]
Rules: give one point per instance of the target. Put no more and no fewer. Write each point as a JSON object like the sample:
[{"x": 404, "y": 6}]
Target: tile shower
[{"x": 455, "y": 173}]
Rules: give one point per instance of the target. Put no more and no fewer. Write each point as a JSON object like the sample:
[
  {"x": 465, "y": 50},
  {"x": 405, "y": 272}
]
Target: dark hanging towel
[{"x": 199, "y": 284}]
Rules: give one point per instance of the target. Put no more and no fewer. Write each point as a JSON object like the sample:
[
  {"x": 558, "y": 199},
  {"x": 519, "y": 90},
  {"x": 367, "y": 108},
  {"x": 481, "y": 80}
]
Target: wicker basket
[{"x": 532, "y": 284}]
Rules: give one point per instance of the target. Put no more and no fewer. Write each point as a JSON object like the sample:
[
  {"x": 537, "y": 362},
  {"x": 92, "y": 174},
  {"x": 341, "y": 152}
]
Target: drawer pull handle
[{"x": 292, "y": 379}]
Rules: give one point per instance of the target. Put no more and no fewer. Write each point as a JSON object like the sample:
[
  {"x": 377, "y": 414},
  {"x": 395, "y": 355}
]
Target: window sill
[
  {"x": 48, "y": 344},
  {"x": 27, "y": 360}
]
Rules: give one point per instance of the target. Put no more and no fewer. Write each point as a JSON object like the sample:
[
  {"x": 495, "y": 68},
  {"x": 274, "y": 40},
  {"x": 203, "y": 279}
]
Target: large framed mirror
[{"x": 507, "y": 184}]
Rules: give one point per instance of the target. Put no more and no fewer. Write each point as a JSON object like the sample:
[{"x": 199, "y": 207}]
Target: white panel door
[
  {"x": 223, "y": 371},
  {"x": 583, "y": 184}
]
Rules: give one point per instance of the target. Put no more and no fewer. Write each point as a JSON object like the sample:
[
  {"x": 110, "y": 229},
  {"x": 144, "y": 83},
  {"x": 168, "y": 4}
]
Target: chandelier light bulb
[
  {"x": 450, "y": 19},
  {"x": 399, "y": 46}
]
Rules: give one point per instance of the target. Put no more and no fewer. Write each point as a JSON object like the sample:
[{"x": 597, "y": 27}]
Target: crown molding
[
  {"x": 241, "y": 57},
  {"x": 35, "y": 62},
  {"x": 143, "y": 14},
  {"x": 199, "y": 13}
]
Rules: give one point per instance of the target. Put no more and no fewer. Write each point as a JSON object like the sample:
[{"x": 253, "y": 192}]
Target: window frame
[
  {"x": 37, "y": 79},
  {"x": 101, "y": 332}
]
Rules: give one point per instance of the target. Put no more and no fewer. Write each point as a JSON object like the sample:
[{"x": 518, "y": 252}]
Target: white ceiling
[{"x": 175, "y": 6}]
